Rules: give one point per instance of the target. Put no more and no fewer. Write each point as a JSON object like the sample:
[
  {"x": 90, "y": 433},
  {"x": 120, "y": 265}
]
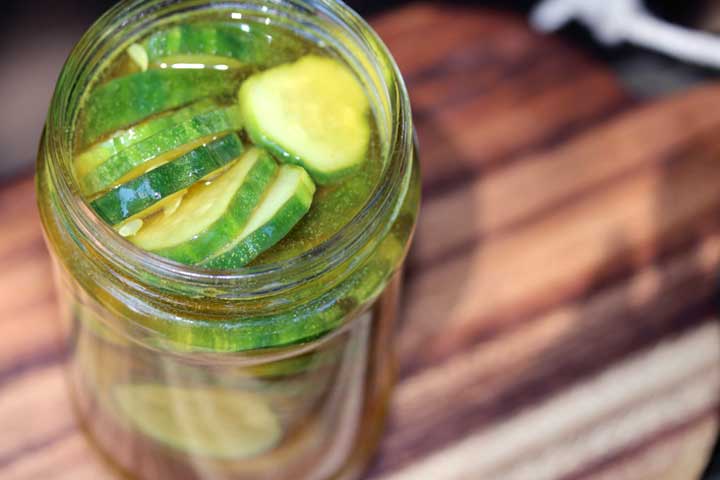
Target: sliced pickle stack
[{"x": 191, "y": 161}]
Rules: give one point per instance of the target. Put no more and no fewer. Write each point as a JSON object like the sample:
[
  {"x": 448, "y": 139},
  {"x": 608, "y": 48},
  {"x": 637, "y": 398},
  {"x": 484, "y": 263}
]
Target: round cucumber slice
[
  {"x": 313, "y": 113},
  {"x": 216, "y": 423},
  {"x": 153, "y": 186},
  {"x": 96, "y": 155},
  {"x": 212, "y": 214},
  {"x": 284, "y": 204},
  {"x": 209, "y": 43},
  {"x": 127, "y": 100},
  {"x": 194, "y": 129}
]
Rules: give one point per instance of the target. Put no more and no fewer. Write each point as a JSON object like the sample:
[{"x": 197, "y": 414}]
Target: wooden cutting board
[{"x": 557, "y": 319}]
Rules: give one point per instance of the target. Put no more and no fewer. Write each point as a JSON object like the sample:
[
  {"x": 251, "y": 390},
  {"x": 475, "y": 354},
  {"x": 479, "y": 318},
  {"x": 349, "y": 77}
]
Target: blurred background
[{"x": 564, "y": 257}]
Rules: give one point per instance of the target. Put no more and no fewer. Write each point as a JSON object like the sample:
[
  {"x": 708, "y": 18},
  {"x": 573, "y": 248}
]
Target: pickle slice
[
  {"x": 212, "y": 214},
  {"x": 144, "y": 191},
  {"x": 189, "y": 132},
  {"x": 284, "y": 204},
  {"x": 313, "y": 113},
  {"x": 211, "y": 422},
  {"x": 96, "y": 155},
  {"x": 219, "y": 44},
  {"x": 127, "y": 100}
]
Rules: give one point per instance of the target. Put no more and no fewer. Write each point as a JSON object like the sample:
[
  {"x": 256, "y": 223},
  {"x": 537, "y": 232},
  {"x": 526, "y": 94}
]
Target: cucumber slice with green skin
[
  {"x": 94, "y": 156},
  {"x": 133, "y": 98},
  {"x": 284, "y": 204},
  {"x": 313, "y": 113},
  {"x": 209, "y": 422},
  {"x": 196, "y": 128},
  {"x": 142, "y": 192},
  {"x": 246, "y": 44},
  {"x": 211, "y": 215},
  {"x": 167, "y": 205},
  {"x": 306, "y": 323}
]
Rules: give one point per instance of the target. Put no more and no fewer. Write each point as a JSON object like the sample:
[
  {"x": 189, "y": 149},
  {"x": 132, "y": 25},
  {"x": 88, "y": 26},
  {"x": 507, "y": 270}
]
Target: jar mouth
[{"x": 369, "y": 57}]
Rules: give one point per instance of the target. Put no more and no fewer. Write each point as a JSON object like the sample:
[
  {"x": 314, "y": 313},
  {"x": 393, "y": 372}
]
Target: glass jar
[{"x": 270, "y": 372}]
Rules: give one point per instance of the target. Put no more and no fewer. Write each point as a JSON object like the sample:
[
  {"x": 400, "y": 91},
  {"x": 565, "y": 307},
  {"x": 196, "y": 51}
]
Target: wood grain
[{"x": 557, "y": 322}]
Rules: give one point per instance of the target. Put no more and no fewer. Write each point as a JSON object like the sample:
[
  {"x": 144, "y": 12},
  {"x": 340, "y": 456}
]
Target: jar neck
[{"x": 325, "y": 21}]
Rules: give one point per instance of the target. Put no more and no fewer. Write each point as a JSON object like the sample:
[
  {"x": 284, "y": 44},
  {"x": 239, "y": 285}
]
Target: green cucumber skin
[
  {"x": 254, "y": 47},
  {"x": 122, "y": 140},
  {"x": 286, "y": 156},
  {"x": 264, "y": 237},
  {"x": 130, "y": 99},
  {"x": 232, "y": 222},
  {"x": 203, "y": 125},
  {"x": 304, "y": 324},
  {"x": 136, "y": 195}
]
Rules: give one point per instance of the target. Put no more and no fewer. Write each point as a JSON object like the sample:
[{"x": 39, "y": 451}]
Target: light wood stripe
[
  {"x": 685, "y": 276},
  {"x": 18, "y": 208},
  {"x": 679, "y": 455},
  {"x": 477, "y": 387},
  {"x": 481, "y": 131},
  {"x": 33, "y": 338},
  {"x": 35, "y": 407},
  {"x": 27, "y": 275},
  {"x": 66, "y": 460},
  {"x": 539, "y": 184},
  {"x": 649, "y": 371},
  {"x": 560, "y": 256}
]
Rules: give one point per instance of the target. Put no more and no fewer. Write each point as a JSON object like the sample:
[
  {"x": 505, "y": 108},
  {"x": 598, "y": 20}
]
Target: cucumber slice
[
  {"x": 210, "y": 422},
  {"x": 210, "y": 43},
  {"x": 94, "y": 156},
  {"x": 195, "y": 129},
  {"x": 142, "y": 192},
  {"x": 212, "y": 214},
  {"x": 130, "y": 99},
  {"x": 285, "y": 203},
  {"x": 313, "y": 113}
]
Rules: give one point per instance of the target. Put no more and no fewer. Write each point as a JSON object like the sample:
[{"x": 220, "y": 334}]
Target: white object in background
[{"x": 616, "y": 21}]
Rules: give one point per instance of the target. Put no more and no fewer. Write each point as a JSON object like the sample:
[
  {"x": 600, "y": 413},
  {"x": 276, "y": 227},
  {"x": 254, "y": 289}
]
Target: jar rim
[{"x": 124, "y": 257}]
